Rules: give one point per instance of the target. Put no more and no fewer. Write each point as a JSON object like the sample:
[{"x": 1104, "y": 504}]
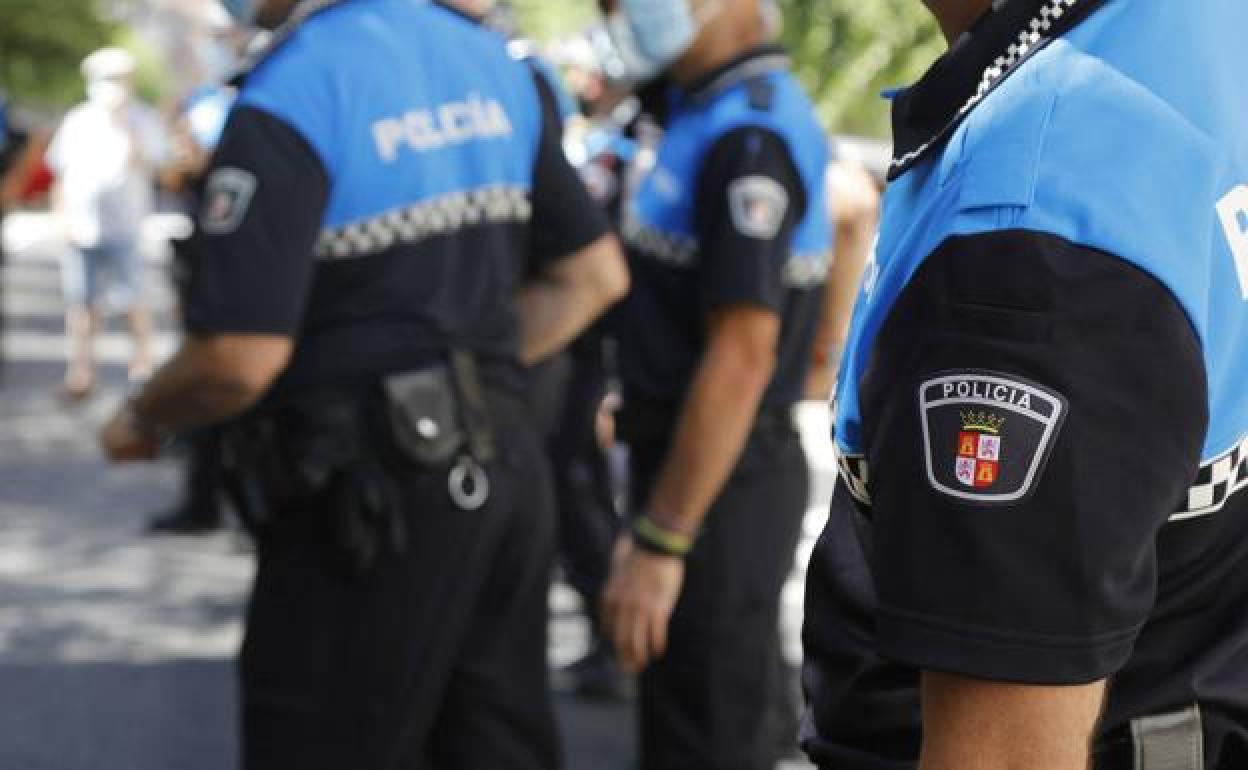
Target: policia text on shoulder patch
[{"x": 986, "y": 435}]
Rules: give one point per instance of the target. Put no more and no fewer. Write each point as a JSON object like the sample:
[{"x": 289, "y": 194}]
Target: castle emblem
[{"x": 978, "y": 461}]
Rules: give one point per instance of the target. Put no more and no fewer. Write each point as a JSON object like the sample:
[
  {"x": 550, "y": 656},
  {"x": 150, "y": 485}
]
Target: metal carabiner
[{"x": 468, "y": 484}]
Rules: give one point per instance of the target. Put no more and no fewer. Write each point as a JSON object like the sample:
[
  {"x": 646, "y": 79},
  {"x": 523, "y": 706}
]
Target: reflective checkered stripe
[
  {"x": 443, "y": 215},
  {"x": 668, "y": 248},
  {"x": 806, "y": 271},
  {"x": 1216, "y": 482},
  {"x": 802, "y": 271},
  {"x": 1031, "y": 36},
  {"x": 854, "y": 475}
]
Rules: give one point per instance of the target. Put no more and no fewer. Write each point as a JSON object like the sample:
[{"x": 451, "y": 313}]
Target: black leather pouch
[{"x": 423, "y": 415}]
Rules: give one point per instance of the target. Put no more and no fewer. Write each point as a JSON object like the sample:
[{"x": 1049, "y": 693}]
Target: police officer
[
  {"x": 387, "y": 177},
  {"x": 728, "y": 239},
  {"x": 196, "y": 133},
  {"x": 1042, "y": 417}
]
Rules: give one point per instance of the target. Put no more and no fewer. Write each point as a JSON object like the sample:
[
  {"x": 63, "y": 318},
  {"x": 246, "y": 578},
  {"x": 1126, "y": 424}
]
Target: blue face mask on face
[
  {"x": 652, "y": 34},
  {"x": 242, "y": 11}
]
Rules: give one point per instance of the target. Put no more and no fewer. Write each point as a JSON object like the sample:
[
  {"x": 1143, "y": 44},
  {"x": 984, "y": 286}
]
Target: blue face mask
[
  {"x": 663, "y": 29},
  {"x": 652, "y": 34},
  {"x": 242, "y": 11}
]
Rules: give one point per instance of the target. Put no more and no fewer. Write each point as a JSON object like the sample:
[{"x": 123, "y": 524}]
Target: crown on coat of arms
[{"x": 982, "y": 422}]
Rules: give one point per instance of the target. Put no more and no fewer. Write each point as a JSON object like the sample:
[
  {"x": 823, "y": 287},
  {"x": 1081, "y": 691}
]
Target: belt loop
[
  {"x": 1173, "y": 741},
  {"x": 474, "y": 410}
]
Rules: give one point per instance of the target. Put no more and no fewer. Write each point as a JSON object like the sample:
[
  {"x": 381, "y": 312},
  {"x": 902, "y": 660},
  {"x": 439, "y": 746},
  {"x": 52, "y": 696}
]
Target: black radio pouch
[
  {"x": 436, "y": 417},
  {"x": 423, "y": 416}
]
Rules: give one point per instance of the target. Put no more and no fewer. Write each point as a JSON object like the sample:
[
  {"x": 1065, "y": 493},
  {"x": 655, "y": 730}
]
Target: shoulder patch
[
  {"x": 987, "y": 435},
  {"x": 227, "y": 197},
  {"x": 758, "y": 205}
]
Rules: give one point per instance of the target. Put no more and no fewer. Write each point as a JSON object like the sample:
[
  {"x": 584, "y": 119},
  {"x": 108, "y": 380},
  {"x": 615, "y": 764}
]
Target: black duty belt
[{"x": 349, "y": 448}]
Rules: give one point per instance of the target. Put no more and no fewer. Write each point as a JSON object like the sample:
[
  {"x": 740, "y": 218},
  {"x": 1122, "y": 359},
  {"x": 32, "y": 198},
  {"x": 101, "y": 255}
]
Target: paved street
[{"x": 115, "y": 649}]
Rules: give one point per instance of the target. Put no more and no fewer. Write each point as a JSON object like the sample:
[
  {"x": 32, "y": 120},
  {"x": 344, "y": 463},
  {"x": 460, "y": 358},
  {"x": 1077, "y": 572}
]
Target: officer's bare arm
[
  {"x": 970, "y": 724},
  {"x": 856, "y": 210},
  {"x": 717, "y": 416},
  {"x": 213, "y": 378},
  {"x": 572, "y": 292}
]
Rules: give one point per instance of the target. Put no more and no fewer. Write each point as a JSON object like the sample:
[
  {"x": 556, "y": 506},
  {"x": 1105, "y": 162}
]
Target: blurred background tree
[
  {"x": 546, "y": 19},
  {"x": 42, "y": 42},
  {"x": 846, "y": 51}
]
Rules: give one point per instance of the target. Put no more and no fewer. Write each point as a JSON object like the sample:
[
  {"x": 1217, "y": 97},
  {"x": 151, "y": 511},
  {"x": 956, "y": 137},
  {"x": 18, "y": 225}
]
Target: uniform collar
[
  {"x": 460, "y": 12},
  {"x": 305, "y": 10},
  {"x": 926, "y": 114},
  {"x": 274, "y": 40},
  {"x": 759, "y": 60}
]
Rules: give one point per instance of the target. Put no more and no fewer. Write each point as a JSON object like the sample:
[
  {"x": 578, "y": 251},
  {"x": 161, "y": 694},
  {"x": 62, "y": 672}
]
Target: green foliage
[
  {"x": 42, "y": 43},
  {"x": 152, "y": 79},
  {"x": 545, "y": 19},
  {"x": 847, "y": 51}
]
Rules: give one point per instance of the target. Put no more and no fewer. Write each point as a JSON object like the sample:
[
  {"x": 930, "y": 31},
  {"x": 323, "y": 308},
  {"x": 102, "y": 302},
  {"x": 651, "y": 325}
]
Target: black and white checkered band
[
  {"x": 669, "y": 248},
  {"x": 438, "y": 216},
  {"x": 806, "y": 271},
  {"x": 1216, "y": 482},
  {"x": 802, "y": 271},
  {"x": 854, "y": 475},
  {"x": 1027, "y": 40}
]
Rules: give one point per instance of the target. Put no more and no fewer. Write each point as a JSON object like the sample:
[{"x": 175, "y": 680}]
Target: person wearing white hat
[{"x": 105, "y": 155}]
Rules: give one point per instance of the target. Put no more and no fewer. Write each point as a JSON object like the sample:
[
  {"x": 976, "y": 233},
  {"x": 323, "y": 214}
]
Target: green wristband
[{"x": 652, "y": 537}]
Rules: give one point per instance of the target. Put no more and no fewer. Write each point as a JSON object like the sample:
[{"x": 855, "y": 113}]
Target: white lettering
[
  {"x": 1233, "y": 211},
  {"x": 422, "y": 134},
  {"x": 456, "y": 120},
  {"x": 450, "y": 123},
  {"x": 388, "y": 133},
  {"x": 496, "y": 121},
  {"x": 986, "y": 390}
]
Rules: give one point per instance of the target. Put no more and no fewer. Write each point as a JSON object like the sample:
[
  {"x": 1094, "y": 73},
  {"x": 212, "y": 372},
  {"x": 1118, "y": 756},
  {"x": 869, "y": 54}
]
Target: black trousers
[
  {"x": 433, "y": 659},
  {"x": 584, "y": 489},
  {"x": 205, "y": 475},
  {"x": 710, "y": 702}
]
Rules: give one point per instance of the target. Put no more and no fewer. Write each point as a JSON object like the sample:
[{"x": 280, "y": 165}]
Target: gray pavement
[{"x": 116, "y": 649}]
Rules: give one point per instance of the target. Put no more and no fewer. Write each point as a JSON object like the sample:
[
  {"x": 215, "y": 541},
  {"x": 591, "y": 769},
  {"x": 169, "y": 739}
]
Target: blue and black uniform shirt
[
  {"x": 730, "y": 209},
  {"x": 1043, "y": 408},
  {"x": 387, "y": 179}
]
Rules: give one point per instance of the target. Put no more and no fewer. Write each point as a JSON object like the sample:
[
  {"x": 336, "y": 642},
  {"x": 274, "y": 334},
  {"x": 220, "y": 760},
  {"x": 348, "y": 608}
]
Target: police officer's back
[{"x": 384, "y": 185}]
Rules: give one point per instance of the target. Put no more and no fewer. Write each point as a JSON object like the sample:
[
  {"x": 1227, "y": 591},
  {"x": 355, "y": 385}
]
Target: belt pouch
[{"x": 423, "y": 416}]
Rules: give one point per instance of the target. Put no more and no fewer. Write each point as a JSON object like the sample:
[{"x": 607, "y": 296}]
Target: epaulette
[{"x": 762, "y": 93}]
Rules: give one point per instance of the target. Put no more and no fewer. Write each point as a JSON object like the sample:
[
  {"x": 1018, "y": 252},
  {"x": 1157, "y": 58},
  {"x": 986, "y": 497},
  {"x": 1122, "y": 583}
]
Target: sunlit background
[{"x": 846, "y": 51}]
